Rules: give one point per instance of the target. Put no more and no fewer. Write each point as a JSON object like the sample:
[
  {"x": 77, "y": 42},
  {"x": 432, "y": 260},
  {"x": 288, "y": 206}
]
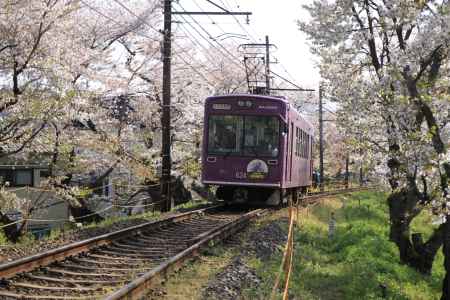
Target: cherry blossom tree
[
  {"x": 80, "y": 91},
  {"x": 387, "y": 64}
]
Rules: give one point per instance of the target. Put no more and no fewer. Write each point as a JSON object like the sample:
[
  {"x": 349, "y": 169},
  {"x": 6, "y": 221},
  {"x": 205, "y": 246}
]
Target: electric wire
[
  {"x": 207, "y": 39},
  {"x": 138, "y": 17},
  {"x": 212, "y": 60},
  {"x": 90, "y": 7},
  {"x": 251, "y": 28},
  {"x": 252, "y": 38},
  {"x": 144, "y": 35},
  {"x": 212, "y": 20},
  {"x": 196, "y": 71},
  {"x": 227, "y": 5},
  {"x": 176, "y": 44}
]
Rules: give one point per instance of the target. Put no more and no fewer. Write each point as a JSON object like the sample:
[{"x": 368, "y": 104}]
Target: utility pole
[
  {"x": 166, "y": 197},
  {"x": 361, "y": 152},
  {"x": 165, "y": 121},
  {"x": 321, "y": 140},
  {"x": 267, "y": 66},
  {"x": 361, "y": 177},
  {"x": 347, "y": 161}
]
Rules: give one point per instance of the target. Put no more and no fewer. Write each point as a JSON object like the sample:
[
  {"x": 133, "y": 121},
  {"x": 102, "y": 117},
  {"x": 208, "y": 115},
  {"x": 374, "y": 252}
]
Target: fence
[{"x": 288, "y": 254}]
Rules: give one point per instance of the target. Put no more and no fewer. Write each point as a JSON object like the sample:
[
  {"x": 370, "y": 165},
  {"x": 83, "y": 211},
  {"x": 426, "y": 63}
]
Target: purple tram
[{"x": 256, "y": 148}]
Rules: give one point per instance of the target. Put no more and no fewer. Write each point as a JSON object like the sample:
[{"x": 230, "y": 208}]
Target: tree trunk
[
  {"x": 446, "y": 251},
  {"x": 11, "y": 232},
  {"x": 413, "y": 251}
]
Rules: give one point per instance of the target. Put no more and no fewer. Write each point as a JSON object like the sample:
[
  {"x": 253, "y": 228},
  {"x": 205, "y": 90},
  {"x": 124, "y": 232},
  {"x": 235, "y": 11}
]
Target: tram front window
[
  {"x": 244, "y": 135},
  {"x": 225, "y": 134},
  {"x": 261, "y": 136}
]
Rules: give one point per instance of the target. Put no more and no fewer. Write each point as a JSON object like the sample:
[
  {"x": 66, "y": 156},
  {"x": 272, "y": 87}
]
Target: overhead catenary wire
[
  {"x": 156, "y": 30},
  {"x": 92, "y": 8},
  {"x": 209, "y": 58},
  {"x": 252, "y": 38},
  {"x": 203, "y": 37},
  {"x": 196, "y": 71},
  {"x": 151, "y": 27},
  {"x": 207, "y": 54},
  {"x": 251, "y": 28},
  {"x": 209, "y": 37},
  {"x": 211, "y": 19},
  {"x": 138, "y": 17},
  {"x": 286, "y": 71},
  {"x": 288, "y": 81}
]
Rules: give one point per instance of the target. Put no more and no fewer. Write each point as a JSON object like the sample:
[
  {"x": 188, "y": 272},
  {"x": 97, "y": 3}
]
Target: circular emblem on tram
[{"x": 257, "y": 169}]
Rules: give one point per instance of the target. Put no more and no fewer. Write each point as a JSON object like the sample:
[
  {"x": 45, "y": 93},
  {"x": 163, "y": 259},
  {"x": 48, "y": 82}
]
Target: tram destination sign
[{"x": 221, "y": 106}]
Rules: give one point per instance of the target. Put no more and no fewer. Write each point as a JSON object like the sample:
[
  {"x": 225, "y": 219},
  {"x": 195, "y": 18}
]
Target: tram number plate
[{"x": 241, "y": 175}]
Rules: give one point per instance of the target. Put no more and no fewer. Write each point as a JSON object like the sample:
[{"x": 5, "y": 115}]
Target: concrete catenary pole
[
  {"x": 165, "y": 119},
  {"x": 321, "y": 177}
]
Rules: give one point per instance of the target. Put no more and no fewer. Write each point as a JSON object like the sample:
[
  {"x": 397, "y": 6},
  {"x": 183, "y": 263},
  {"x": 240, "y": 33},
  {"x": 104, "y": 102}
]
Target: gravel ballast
[{"x": 238, "y": 275}]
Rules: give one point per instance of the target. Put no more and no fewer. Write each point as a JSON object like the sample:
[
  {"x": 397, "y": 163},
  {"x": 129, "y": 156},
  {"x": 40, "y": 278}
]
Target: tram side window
[
  {"x": 299, "y": 143},
  {"x": 307, "y": 146},
  {"x": 302, "y": 145}
]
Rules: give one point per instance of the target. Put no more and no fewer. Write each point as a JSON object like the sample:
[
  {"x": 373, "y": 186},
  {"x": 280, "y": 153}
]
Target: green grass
[{"x": 357, "y": 261}]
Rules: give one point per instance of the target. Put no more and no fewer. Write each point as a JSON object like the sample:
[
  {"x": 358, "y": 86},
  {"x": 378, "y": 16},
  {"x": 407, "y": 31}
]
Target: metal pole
[
  {"x": 267, "y": 66},
  {"x": 321, "y": 140},
  {"x": 165, "y": 119}
]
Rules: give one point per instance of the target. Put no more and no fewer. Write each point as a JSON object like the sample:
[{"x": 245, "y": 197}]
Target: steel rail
[
  {"x": 29, "y": 263},
  {"x": 137, "y": 288},
  {"x": 165, "y": 244},
  {"x": 178, "y": 238},
  {"x": 335, "y": 192}
]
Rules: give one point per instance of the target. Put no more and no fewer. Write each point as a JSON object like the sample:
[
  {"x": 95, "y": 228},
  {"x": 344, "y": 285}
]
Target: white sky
[{"x": 277, "y": 19}]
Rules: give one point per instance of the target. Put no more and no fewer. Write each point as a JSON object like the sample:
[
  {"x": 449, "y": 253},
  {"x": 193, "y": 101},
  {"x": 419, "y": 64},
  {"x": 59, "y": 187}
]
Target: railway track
[
  {"x": 125, "y": 263},
  {"x": 312, "y": 197},
  {"x": 122, "y": 264}
]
